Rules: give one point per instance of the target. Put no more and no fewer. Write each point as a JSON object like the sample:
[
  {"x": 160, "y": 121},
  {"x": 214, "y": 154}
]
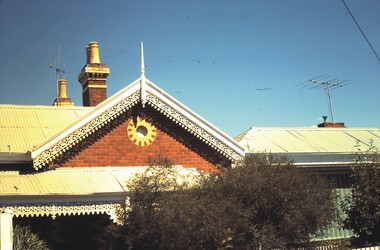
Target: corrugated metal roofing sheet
[
  {"x": 307, "y": 140},
  {"x": 67, "y": 181},
  {"x": 72, "y": 181},
  {"x": 22, "y": 127}
]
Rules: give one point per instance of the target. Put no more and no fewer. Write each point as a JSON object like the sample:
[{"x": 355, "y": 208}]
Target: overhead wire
[{"x": 357, "y": 24}]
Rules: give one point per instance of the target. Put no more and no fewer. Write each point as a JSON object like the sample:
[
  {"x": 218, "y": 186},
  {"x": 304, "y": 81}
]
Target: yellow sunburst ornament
[{"x": 141, "y": 132}]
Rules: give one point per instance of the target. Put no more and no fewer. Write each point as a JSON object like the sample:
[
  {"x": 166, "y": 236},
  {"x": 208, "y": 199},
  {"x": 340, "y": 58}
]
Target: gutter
[
  {"x": 15, "y": 157},
  {"x": 62, "y": 198}
]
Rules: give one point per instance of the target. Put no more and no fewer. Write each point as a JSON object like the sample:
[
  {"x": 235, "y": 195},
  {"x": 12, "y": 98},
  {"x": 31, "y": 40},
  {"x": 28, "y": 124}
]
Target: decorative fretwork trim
[
  {"x": 172, "y": 110},
  {"x": 193, "y": 128},
  {"x": 80, "y": 134},
  {"x": 68, "y": 209}
]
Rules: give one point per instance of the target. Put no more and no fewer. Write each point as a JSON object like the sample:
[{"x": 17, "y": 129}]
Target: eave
[{"x": 15, "y": 158}]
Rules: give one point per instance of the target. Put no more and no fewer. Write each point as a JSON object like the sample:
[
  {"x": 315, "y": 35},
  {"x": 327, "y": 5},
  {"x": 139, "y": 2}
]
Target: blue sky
[{"x": 213, "y": 56}]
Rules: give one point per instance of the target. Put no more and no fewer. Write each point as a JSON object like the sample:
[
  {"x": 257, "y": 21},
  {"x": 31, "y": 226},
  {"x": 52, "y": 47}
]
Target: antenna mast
[
  {"x": 59, "y": 72},
  {"x": 322, "y": 82}
]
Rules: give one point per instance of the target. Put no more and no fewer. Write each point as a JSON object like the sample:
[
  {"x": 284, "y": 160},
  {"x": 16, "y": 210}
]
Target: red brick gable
[{"x": 113, "y": 147}]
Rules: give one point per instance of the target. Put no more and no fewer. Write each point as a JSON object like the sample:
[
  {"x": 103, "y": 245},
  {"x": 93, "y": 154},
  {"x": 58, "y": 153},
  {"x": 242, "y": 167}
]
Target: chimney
[
  {"x": 327, "y": 124},
  {"x": 92, "y": 52},
  {"x": 62, "y": 99},
  {"x": 93, "y": 77}
]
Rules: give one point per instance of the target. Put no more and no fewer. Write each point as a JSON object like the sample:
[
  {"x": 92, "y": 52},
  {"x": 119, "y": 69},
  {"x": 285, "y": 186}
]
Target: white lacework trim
[
  {"x": 114, "y": 210},
  {"x": 190, "y": 126},
  {"x": 71, "y": 140},
  {"x": 80, "y": 134}
]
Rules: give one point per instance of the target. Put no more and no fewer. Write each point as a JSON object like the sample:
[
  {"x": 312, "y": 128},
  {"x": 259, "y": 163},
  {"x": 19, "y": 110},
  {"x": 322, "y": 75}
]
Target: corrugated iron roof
[
  {"x": 308, "y": 140},
  {"x": 72, "y": 181},
  {"x": 67, "y": 181},
  {"x": 23, "y": 127}
]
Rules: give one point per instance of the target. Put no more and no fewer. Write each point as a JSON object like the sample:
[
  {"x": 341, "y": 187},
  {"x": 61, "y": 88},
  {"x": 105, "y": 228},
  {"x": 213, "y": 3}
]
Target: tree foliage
[
  {"x": 25, "y": 239},
  {"x": 261, "y": 203},
  {"x": 363, "y": 205}
]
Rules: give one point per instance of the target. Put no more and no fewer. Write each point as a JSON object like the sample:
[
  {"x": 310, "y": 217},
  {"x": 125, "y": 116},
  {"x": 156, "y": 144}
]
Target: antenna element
[
  {"x": 323, "y": 82},
  {"x": 59, "y": 72}
]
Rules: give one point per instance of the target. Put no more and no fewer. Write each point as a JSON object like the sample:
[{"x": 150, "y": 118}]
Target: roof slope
[
  {"x": 147, "y": 93},
  {"x": 72, "y": 181},
  {"x": 23, "y": 127},
  {"x": 308, "y": 140},
  {"x": 322, "y": 148},
  {"x": 66, "y": 182},
  {"x": 68, "y": 191}
]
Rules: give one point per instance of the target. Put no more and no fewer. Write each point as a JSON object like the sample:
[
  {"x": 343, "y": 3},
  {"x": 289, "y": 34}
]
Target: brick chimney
[
  {"x": 62, "y": 99},
  {"x": 93, "y": 77},
  {"x": 327, "y": 124}
]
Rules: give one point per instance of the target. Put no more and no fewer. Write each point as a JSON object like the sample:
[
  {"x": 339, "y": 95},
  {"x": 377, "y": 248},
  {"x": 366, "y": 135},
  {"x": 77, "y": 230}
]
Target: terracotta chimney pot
[
  {"x": 62, "y": 93},
  {"x": 93, "y": 77},
  {"x": 92, "y": 50}
]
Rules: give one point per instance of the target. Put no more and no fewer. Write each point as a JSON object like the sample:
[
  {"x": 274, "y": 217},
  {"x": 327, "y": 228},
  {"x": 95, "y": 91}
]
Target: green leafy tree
[
  {"x": 363, "y": 205},
  {"x": 261, "y": 203},
  {"x": 284, "y": 205}
]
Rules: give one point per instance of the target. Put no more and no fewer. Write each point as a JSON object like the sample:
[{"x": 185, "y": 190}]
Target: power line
[{"x": 357, "y": 24}]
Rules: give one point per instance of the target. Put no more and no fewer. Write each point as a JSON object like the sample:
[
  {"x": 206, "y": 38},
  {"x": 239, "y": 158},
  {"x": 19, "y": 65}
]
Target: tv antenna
[
  {"x": 326, "y": 83},
  {"x": 59, "y": 71}
]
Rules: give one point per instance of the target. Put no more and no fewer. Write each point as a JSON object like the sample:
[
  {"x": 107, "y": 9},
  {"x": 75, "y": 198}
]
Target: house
[
  {"x": 328, "y": 149},
  {"x": 66, "y": 163},
  {"x": 64, "y": 168}
]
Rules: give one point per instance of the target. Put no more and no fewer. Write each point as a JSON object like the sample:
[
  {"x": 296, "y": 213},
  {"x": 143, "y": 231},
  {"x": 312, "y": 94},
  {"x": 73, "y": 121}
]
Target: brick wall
[
  {"x": 331, "y": 125},
  {"x": 92, "y": 96},
  {"x": 112, "y": 146}
]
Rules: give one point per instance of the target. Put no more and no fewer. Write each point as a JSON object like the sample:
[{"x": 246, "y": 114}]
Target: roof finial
[
  {"x": 142, "y": 59},
  {"x": 143, "y": 79}
]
